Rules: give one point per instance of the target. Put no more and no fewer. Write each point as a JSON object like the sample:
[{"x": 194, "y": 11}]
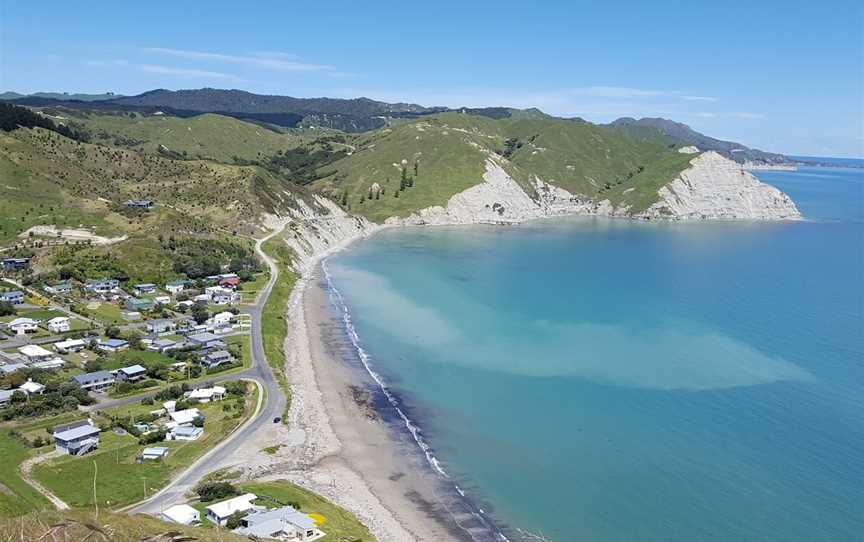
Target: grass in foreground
[
  {"x": 340, "y": 525},
  {"x": 81, "y": 525}
]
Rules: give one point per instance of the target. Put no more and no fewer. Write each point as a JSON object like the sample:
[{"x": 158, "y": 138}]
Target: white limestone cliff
[
  {"x": 716, "y": 188},
  {"x": 712, "y": 188}
]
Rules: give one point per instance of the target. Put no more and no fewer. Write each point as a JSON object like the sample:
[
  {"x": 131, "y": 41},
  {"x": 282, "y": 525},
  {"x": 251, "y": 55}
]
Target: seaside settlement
[{"x": 142, "y": 377}]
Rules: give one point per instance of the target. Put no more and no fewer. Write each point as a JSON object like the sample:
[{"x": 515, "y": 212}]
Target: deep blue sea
[{"x": 611, "y": 380}]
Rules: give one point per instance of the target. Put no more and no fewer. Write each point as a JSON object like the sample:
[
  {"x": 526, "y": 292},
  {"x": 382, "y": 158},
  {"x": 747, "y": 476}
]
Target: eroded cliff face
[
  {"x": 712, "y": 188},
  {"x": 312, "y": 233},
  {"x": 716, "y": 188}
]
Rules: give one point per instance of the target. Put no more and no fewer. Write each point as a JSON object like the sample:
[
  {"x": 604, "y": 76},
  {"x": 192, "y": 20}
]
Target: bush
[
  {"x": 211, "y": 491},
  {"x": 152, "y": 438}
]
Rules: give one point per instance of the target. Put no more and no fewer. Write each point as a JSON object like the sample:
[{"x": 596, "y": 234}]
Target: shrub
[{"x": 211, "y": 491}]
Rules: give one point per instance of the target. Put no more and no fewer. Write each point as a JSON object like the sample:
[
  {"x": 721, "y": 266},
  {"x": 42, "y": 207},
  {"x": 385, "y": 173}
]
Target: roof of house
[
  {"x": 157, "y": 450},
  {"x": 12, "y": 367},
  {"x": 264, "y": 523},
  {"x": 113, "y": 343},
  {"x": 159, "y": 322},
  {"x": 164, "y": 343},
  {"x": 204, "y": 337},
  {"x": 22, "y": 321},
  {"x": 77, "y": 432},
  {"x": 218, "y": 354},
  {"x": 132, "y": 369},
  {"x": 187, "y": 431},
  {"x": 31, "y": 387},
  {"x": 58, "y": 319},
  {"x": 185, "y": 416},
  {"x": 5, "y": 395},
  {"x": 70, "y": 343},
  {"x": 145, "y": 285},
  {"x": 13, "y": 293},
  {"x": 182, "y": 513},
  {"x": 34, "y": 351},
  {"x": 224, "y": 509},
  {"x": 96, "y": 376}
]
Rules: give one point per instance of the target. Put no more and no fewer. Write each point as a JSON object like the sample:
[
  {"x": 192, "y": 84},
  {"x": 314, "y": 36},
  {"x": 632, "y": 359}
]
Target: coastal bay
[{"x": 654, "y": 354}]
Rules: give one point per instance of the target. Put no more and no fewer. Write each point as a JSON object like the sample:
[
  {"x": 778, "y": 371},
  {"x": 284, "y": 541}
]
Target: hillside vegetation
[{"x": 450, "y": 151}]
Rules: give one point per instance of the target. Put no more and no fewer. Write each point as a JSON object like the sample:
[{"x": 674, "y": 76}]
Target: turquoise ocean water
[{"x": 609, "y": 380}]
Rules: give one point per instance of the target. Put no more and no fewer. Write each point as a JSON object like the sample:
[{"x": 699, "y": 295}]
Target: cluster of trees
[
  {"x": 199, "y": 258},
  {"x": 7, "y": 308},
  {"x": 56, "y": 398},
  {"x": 13, "y": 116}
]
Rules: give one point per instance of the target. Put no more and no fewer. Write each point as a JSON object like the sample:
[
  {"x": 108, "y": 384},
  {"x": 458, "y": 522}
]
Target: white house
[
  {"x": 20, "y": 326},
  {"x": 221, "y": 319},
  {"x": 161, "y": 326},
  {"x": 150, "y": 454},
  {"x": 70, "y": 345},
  {"x": 162, "y": 299},
  {"x": 35, "y": 353},
  {"x": 205, "y": 395},
  {"x": 220, "y": 512},
  {"x": 59, "y": 324},
  {"x": 222, "y": 296},
  {"x": 185, "y": 432},
  {"x": 175, "y": 286},
  {"x": 184, "y": 417},
  {"x": 32, "y": 388},
  {"x": 182, "y": 514}
]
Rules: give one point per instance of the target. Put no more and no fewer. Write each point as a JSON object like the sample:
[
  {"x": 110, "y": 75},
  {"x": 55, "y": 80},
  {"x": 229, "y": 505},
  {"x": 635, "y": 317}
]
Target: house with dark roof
[
  {"x": 114, "y": 345},
  {"x": 139, "y": 304},
  {"x": 216, "y": 358},
  {"x": 15, "y": 297},
  {"x": 14, "y": 264},
  {"x": 77, "y": 439},
  {"x": 97, "y": 381}
]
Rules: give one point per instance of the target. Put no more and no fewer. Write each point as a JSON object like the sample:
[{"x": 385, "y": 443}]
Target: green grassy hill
[
  {"x": 215, "y": 137},
  {"x": 450, "y": 150}
]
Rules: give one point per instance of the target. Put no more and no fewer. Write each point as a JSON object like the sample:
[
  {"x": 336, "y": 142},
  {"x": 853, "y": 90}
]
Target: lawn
[
  {"x": 107, "y": 313},
  {"x": 120, "y": 480},
  {"x": 274, "y": 327},
  {"x": 17, "y": 497},
  {"x": 249, "y": 290},
  {"x": 339, "y": 524}
]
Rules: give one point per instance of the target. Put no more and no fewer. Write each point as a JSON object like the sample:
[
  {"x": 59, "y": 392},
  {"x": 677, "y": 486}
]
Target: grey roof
[
  {"x": 6, "y": 394},
  {"x": 133, "y": 369},
  {"x": 113, "y": 343},
  {"x": 263, "y": 524},
  {"x": 160, "y": 450},
  {"x": 13, "y": 293},
  {"x": 162, "y": 343},
  {"x": 12, "y": 367},
  {"x": 187, "y": 430},
  {"x": 159, "y": 322},
  {"x": 92, "y": 377},
  {"x": 77, "y": 432},
  {"x": 204, "y": 337}
]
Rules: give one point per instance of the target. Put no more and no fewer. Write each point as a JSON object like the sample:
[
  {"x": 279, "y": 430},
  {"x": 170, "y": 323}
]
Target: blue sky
[{"x": 782, "y": 76}]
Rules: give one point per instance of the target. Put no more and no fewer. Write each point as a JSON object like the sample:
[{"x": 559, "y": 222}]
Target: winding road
[{"x": 272, "y": 405}]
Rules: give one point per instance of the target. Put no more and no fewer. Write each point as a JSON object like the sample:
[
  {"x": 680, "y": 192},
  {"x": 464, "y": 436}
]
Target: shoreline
[{"x": 373, "y": 477}]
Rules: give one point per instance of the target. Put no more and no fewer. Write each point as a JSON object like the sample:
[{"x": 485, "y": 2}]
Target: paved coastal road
[{"x": 273, "y": 405}]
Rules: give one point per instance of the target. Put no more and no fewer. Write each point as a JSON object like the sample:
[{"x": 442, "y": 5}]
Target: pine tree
[
  {"x": 416, "y": 165},
  {"x": 396, "y": 194},
  {"x": 370, "y": 192},
  {"x": 345, "y": 198}
]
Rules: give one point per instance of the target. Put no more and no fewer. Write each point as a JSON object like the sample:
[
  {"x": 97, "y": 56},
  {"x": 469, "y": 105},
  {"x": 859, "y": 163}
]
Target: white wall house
[
  {"x": 60, "y": 324},
  {"x": 220, "y": 512}
]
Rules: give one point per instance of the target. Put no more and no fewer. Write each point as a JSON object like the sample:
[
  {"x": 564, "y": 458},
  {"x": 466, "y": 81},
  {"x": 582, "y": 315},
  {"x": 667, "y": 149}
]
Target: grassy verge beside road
[{"x": 274, "y": 326}]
